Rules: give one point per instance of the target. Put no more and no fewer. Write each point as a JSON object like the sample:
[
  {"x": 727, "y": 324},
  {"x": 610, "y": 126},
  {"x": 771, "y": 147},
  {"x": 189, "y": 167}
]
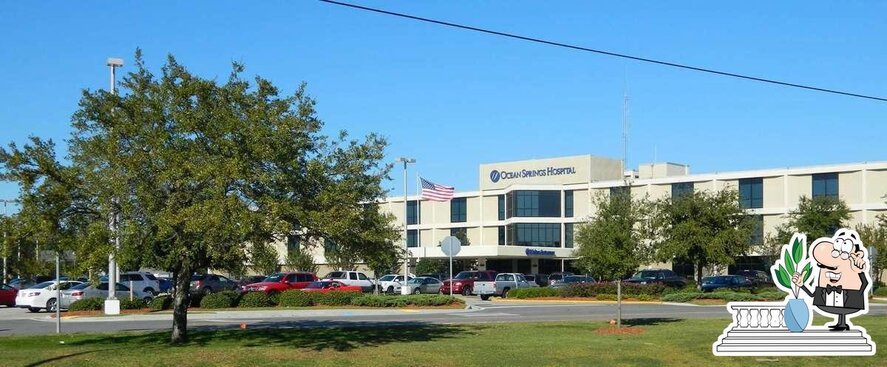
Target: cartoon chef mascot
[{"x": 843, "y": 279}]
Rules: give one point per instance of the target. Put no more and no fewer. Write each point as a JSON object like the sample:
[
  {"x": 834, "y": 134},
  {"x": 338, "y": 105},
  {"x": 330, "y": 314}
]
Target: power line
[{"x": 607, "y": 53}]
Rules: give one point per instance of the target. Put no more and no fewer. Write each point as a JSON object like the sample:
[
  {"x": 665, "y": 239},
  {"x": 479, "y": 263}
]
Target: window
[
  {"x": 501, "y": 199},
  {"x": 413, "y": 238},
  {"x": 461, "y": 233},
  {"x": 757, "y": 234},
  {"x": 534, "y": 204},
  {"x": 825, "y": 185},
  {"x": 534, "y": 234},
  {"x": 751, "y": 193},
  {"x": 568, "y": 235},
  {"x": 412, "y": 212},
  {"x": 303, "y": 278},
  {"x": 292, "y": 278},
  {"x": 619, "y": 190},
  {"x": 458, "y": 210},
  {"x": 352, "y": 276},
  {"x": 568, "y": 203},
  {"x": 292, "y": 243},
  {"x": 361, "y": 276},
  {"x": 501, "y": 235},
  {"x": 678, "y": 190}
]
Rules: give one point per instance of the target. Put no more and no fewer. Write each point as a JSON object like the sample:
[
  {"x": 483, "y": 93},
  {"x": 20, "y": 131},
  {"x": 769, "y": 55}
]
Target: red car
[
  {"x": 279, "y": 282},
  {"x": 7, "y": 295},
  {"x": 327, "y": 286},
  {"x": 463, "y": 283}
]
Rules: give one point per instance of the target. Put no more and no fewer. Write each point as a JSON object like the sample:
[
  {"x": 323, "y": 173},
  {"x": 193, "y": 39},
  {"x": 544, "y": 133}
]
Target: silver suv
[{"x": 143, "y": 281}]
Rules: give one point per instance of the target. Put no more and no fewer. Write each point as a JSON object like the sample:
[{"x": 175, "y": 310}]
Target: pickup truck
[
  {"x": 352, "y": 278},
  {"x": 463, "y": 283},
  {"x": 500, "y": 286}
]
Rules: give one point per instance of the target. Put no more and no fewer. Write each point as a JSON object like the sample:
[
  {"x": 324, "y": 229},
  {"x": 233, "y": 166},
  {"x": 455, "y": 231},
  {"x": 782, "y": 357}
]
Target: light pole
[
  {"x": 406, "y": 261},
  {"x": 5, "y": 216},
  {"x": 113, "y": 63}
]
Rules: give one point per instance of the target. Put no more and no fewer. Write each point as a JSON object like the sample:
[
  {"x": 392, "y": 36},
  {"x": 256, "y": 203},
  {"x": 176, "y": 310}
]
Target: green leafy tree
[
  {"x": 264, "y": 259},
  {"x": 428, "y": 266},
  {"x": 818, "y": 217},
  {"x": 198, "y": 169},
  {"x": 702, "y": 228},
  {"x": 612, "y": 244},
  {"x": 875, "y": 235},
  {"x": 300, "y": 259}
]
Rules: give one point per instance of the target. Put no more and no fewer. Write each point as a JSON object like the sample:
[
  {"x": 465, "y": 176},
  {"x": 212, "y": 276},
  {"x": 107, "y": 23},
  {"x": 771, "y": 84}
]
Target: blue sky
[{"x": 454, "y": 99}]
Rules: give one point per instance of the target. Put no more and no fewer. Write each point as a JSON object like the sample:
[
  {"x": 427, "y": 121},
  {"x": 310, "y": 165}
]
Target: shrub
[
  {"x": 334, "y": 298},
  {"x": 536, "y": 292},
  {"x": 773, "y": 295},
  {"x": 881, "y": 292},
  {"x": 401, "y": 300},
  {"x": 224, "y": 299},
  {"x": 255, "y": 299},
  {"x": 682, "y": 296},
  {"x": 606, "y": 297},
  {"x": 134, "y": 304},
  {"x": 295, "y": 298},
  {"x": 160, "y": 303},
  {"x": 628, "y": 290},
  {"x": 87, "y": 304},
  {"x": 647, "y": 298}
]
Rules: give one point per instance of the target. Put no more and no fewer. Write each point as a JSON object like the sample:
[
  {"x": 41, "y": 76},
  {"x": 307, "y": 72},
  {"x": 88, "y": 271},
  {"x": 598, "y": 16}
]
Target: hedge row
[
  {"x": 628, "y": 290},
  {"x": 536, "y": 292},
  {"x": 881, "y": 292},
  {"x": 407, "y": 300},
  {"x": 97, "y": 303},
  {"x": 727, "y": 296}
]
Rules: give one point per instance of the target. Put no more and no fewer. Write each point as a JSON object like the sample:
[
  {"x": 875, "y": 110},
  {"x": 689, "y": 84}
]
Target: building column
[
  {"x": 534, "y": 266},
  {"x": 514, "y": 265},
  {"x": 481, "y": 263}
]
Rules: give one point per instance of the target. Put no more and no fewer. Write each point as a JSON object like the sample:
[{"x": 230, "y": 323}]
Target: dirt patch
[{"x": 625, "y": 330}]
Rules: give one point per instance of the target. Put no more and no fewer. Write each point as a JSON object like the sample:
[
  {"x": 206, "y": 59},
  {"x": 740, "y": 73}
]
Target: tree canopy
[
  {"x": 702, "y": 228},
  {"x": 613, "y": 243},
  {"x": 199, "y": 169}
]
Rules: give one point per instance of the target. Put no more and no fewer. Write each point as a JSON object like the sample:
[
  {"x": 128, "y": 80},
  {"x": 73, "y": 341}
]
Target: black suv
[
  {"x": 756, "y": 277},
  {"x": 658, "y": 276}
]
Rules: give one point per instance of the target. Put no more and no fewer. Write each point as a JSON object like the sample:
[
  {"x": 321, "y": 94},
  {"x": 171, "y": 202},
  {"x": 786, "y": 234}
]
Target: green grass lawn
[{"x": 665, "y": 342}]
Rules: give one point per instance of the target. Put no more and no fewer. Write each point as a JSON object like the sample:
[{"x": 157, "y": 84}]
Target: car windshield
[
  {"x": 80, "y": 286},
  {"x": 575, "y": 279},
  {"x": 276, "y": 277},
  {"x": 317, "y": 285},
  {"x": 335, "y": 275},
  {"x": 415, "y": 281},
  {"x": 463, "y": 275},
  {"x": 387, "y": 278}
]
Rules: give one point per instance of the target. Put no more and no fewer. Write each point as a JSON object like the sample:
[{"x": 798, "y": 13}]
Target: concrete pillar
[
  {"x": 534, "y": 266},
  {"x": 481, "y": 264}
]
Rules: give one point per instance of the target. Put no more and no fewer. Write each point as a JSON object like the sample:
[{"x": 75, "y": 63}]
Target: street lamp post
[
  {"x": 113, "y": 221},
  {"x": 406, "y": 261},
  {"x": 6, "y": 216}
]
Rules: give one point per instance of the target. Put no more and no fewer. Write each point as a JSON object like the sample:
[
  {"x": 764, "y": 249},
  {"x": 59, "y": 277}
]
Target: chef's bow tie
[{"x": 830, "y": 289}]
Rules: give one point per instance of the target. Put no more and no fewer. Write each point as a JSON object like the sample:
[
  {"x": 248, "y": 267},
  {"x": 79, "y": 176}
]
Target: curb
[{"x": 530, "y": 300}]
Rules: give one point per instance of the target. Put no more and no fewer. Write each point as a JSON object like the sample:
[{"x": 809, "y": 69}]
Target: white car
[
  {"x": 391, "y": 283},
  {"x": 352, "y": 278},
  {"x": 86, "y": 290},
  {"x": 142, "y": 281},
  {"x": 41, "y": 296}
]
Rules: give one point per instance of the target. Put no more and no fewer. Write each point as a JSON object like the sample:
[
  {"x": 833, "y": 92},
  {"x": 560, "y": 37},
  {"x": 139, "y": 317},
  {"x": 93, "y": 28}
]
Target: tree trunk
[
  {"x": 699, "y": 276},
  {"x": 181, "y": 301}
]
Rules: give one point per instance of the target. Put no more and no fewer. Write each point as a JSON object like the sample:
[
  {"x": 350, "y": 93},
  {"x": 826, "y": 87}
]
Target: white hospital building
[{"x": 523, "y": 217}]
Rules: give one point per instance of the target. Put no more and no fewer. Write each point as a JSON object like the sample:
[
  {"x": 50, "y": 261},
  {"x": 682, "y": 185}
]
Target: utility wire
[{"x": 602, "y": 52}]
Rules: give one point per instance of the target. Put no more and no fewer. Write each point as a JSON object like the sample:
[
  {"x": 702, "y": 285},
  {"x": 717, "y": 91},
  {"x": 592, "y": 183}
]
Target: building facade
[{"x": 524, "y": 215}]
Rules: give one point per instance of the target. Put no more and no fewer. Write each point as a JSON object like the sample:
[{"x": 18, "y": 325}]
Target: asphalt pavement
[{"x": 21, "y": 322}]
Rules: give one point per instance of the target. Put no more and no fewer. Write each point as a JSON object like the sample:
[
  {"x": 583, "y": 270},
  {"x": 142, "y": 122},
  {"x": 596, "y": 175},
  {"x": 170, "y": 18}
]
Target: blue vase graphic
[{"x": 797, "y": 315}]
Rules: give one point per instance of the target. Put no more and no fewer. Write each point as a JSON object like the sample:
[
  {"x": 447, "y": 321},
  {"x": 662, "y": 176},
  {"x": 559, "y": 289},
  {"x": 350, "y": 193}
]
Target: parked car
[
  {"x": 420, "y": 285},
  {"x": 573, "y": 279},
  {"x": 463, "y": 283},
  {"x": 203, "y": 284},
  {"x": 557, "y": 277},
  {"x": 327, "y": 286},
  {"x": 658, "y": 276},
  {"x": 391, "y": 282},
  {"x": 86, "y": 290},
  {"x": 7, "y": 295},
  {"x": 500, "y": 286},
  {"x": 249, "y": 279},
  {"x": 438, "y": 276},
  {"x": 540, "y": 279},
  {"x": 734, "y": 282},
  {"x": 279, "y": 282},
  {"x": 756, "y": 277},
  {"x": 355, "y": 278},
  {"x": 41, "y": 296},
  {"x": 165, "y": 284},
  {"x": 143, "y": 281},
  {"x": 531, "y": 278}
]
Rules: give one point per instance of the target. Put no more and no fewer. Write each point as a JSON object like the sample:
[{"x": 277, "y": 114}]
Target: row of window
[
  {"x": 519, "y": 234},
  {"x": 547, "y": 203}
]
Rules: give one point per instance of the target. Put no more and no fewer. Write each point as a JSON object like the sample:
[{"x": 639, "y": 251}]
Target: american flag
[{"x": 435, "y": 192}]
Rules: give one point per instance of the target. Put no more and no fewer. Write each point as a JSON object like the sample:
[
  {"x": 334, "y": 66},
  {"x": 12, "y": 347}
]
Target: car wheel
[
  {"x": 417, "y": 291},
  {"x": 147, "y": 299},
  {"x": 33, "y": 309},
  {"x": 207, "y": 291},
  {"x": 390, "y": 290},
  {"x": 466, "y": 291},
  {"x": 51, "y": 304},
  {"x": 484, "y": 297},
  {"x": 150, "y": 291},
  {"x": 505, "y": 292}
]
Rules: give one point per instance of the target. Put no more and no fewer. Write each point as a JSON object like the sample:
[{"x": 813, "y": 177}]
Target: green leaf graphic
[
  {"x": 807, "y": 272},
  {"x": 797, "y": 251},
  {"x": 783, "y": 278},
  {"x": 789, "y": 263}
]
